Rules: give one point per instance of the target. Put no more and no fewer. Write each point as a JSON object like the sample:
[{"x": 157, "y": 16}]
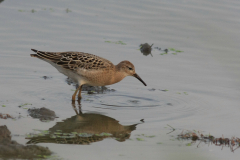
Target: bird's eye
[{"x": 130, "y": 68}]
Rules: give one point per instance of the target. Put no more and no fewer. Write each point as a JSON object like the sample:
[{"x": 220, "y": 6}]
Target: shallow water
[{"x": 197, "y": 89}]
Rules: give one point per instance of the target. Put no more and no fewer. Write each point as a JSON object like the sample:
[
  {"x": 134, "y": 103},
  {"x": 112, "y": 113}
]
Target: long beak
[{"x": 140, "y": 79}]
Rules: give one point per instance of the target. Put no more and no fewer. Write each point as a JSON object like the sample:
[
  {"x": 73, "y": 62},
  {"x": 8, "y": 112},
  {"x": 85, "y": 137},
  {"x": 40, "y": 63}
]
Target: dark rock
[
  {"x": 12, "y": 149},
  {"x": 4, "y": 134}
]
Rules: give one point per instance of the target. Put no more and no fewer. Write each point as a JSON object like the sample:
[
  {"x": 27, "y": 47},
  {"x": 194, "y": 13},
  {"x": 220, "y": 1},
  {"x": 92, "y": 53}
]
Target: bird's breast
[{"x": 100, "y": 77}]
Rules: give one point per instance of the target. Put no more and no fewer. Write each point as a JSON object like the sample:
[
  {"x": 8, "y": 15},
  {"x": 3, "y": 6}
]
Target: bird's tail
[{"x": 34, "y": 55}]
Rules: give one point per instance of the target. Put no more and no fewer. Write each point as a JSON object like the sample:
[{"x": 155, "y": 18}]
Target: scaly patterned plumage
[{"x": 75, "y": 60}]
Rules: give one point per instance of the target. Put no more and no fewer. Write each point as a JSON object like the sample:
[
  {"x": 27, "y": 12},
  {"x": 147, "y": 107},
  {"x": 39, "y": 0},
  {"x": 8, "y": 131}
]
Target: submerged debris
[
  {"x": 23, "y": 105},
  {"x": 153, "y": 89},
  {"x": 5, "y": 116},
  {"x": 146, "y": 49},
  {"x": 68, "y": 10},
  {"x": 96, "y": 89},
  {"x": 116, "y": 42},
  {"x": 43, "y": 114},
  {"x": 165, "y": 50},
  {"x": 46, "y": 77},
  {"x": 158, "y": 48},
  {"x": 91, "y": 89},
  {"x": 172, "y": 50},
  {"x": 233, "y": 143}
]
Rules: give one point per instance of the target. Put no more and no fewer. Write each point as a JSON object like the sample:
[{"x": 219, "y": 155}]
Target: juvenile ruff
[{"x": 84, "y": 68}]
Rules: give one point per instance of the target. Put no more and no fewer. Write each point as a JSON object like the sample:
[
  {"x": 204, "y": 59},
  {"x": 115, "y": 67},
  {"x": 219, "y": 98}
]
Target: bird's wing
[{"x": 74, "y": 60}]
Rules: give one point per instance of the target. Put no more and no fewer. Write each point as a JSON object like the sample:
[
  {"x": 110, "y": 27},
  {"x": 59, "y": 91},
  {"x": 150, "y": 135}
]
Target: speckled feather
[
  {"x": 85, "y": 68},
  {"x": 73, "y": 60}
]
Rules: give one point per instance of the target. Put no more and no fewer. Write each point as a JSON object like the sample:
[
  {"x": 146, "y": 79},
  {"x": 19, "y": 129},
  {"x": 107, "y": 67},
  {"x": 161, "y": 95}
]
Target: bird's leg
[
  {"x": 79, "y": 92},
  {"x": 74, "y": 107},
  {"x": 74, "y": 95},
  {"x": 79, "y": 107}
]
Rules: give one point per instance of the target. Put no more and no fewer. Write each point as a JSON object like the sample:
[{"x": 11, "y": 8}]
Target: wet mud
[
  {"x": 43, "y": 114},
  {"x": 12, "y": 149}
]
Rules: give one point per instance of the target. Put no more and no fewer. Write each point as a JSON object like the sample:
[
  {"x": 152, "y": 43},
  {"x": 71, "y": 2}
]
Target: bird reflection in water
[{"x": 83, "y": 128}]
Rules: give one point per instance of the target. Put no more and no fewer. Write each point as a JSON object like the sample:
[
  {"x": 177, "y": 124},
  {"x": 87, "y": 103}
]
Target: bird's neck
[{"x": 118, "y": 75}]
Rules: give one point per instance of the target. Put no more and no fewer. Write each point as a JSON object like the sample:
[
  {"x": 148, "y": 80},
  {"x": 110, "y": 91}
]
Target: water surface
[{"x": 197, "y": 89}]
